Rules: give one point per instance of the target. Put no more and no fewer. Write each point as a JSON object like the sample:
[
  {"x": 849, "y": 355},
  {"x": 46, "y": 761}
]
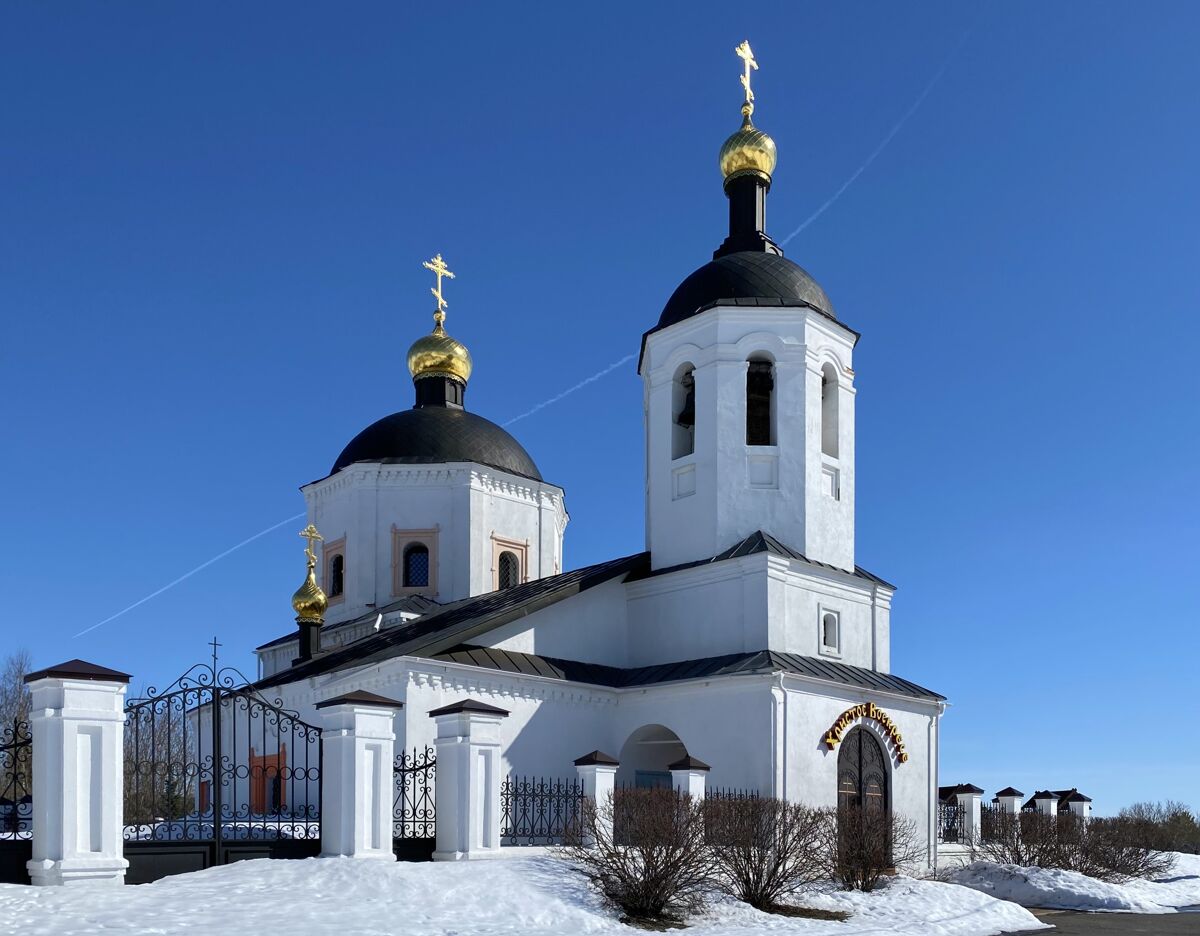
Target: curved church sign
[{"x": 867, "y": 710}]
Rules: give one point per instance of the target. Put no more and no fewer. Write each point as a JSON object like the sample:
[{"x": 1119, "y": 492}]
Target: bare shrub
[
  {"x": 1028, "y": 839},
  {"x": 766, "y": 849},
  {"x": 655, "y": 866},
  {"x": 869, "y": 843},
  {"x": 1169, "y": 826}
]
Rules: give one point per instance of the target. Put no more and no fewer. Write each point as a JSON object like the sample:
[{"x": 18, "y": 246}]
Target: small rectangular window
[{"x": 831, "y": 632}]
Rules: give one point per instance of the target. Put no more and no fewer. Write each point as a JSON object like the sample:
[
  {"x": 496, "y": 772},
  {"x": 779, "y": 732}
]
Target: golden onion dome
[
  {"x": 749, "y": 151},
  {"x": 439, "y": 354},
  {"x": 309, "y": 601}
]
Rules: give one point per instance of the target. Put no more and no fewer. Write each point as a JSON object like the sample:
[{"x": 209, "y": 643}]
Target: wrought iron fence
[
  {"x": 950, "y": 823},
  {"x": 414, "y": 809},
  {"x": 16, "y": 781},
  {"x": 539, "y": 811},
  {"x": 729, "y": 793},
  {"x": 209, "y": 759}
]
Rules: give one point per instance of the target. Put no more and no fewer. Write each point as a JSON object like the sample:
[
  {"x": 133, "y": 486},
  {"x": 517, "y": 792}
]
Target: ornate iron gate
[
  {"x": 215, "y": 772},
  {"x": 16, "y": 801},
  {"x": 414, "y": 808}
]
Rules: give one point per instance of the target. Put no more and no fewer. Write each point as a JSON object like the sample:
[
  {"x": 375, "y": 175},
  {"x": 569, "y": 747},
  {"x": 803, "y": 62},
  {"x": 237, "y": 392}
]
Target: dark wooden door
[{"x": 862, "y": 772}]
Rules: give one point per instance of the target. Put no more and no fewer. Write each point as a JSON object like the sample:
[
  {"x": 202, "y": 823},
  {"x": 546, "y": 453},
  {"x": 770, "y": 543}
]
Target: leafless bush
[
  {"x": 1109, "y": 849},
  {"x": 1168, "y": 826},
  {"x": 870, "y": 843},
  {"x": 767, "y": 849},
  {"x": 14, "y": 694},
  {"x": 655, "y": 866}
]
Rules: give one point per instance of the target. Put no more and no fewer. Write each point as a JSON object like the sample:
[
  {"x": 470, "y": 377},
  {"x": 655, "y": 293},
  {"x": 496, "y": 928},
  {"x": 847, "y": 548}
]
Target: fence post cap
[
  {"x": 469, "y": 705},
  {"x": 688, "y": 763},
  {"x": 79, "y": 669},
  {"x": 1009, "y": 791},
  {"x": 361, "y": 697},
  {"x": 597, "y": 759}
]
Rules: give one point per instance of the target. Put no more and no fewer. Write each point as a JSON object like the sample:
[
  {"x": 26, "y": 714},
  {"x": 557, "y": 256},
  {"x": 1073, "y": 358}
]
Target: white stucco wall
[
  {"x": 465, "y": 504},
  {"x": 702, "y": 503}
]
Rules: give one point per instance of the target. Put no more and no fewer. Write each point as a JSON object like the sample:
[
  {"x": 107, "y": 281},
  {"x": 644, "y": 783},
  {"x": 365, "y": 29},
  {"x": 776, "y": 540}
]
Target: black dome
[
  {"x": 754, "y": 277},
  {"x": 435, "y": 434}
]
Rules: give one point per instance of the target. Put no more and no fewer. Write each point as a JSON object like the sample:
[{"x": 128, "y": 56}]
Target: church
[{"x": 743, "y": 640}]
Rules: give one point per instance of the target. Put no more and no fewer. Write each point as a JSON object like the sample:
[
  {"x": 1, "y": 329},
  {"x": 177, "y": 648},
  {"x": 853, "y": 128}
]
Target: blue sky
[{"x": 213, "y": 218}]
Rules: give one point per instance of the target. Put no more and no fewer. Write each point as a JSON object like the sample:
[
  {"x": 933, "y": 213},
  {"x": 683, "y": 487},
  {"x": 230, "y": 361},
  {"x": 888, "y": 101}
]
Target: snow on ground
[
  {"x": 1069, "y": 890},
  {"x": 525, "y": 896}
]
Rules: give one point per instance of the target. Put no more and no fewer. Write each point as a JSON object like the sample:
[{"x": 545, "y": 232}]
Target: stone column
[
  {"x": 358, "y": 738},
  {"x": 970, "y": 802},
  {"x": 598, "y": 777},
  {"x": 1046, "y": 803},
  {"x": 688, "y": 776},
  {"x": 1009, "y": 800},
  {"x": 77, "y": 722},
  {"x": 467, "y": 783}
]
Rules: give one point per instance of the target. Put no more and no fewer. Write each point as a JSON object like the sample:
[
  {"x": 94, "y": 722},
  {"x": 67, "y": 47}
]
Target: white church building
[{"x": 744, "y": 637}]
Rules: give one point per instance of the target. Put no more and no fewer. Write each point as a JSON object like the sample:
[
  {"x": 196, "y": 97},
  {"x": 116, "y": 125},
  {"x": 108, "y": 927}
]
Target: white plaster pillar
[
  {"x": 598, "y": 776},
  {"x": 1009, "y": 800},
  {"x": 358, "y": 738},
  {"x": 467, "y": 783},
  {"x": 688, "y": 776},
  {"x": 1080, "y": 805},
  {"x": 77, "y": 722},
  {"x": 970, "y": 802},
  {"x": 1046, "y": 803}
]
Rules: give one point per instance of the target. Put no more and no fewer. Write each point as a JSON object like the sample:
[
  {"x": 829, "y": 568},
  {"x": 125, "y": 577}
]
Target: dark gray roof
[
  {"x": 437, "y": 434},
  {"x": 79, "y": 669},
  {"x": 360, "y": 697},
  {"x": 1009, "y": 791},
  {"x": 413, "y": 604},
  {"x": 460, "y": 621},
  {"x": 734, "y": 664},
  {"x": 760, "y": 542}
]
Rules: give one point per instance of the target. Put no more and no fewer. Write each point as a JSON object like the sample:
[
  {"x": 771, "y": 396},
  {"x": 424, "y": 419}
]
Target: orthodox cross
[
  {"x": 746, "y": 54},
  {"x": 214, "y": 646},
  {"x": 438, "y": 266},
  {"x": 310, "y": 533}
]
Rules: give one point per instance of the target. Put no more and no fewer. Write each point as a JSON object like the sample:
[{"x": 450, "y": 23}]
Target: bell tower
[{"x": 748, "y": 390}]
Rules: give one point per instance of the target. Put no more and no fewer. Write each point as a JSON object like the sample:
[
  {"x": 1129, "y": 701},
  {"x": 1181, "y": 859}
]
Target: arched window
[
  {"x": 683, "y": 412},
  {"x": 337, "y": 575},
  {"x": 760, "y": 392},
  {"x": 830, "y": 639},
  {"x": 829, "y": 411},
  {"x": 508, "y": 570},
  {"x": 416, "y": 566}
]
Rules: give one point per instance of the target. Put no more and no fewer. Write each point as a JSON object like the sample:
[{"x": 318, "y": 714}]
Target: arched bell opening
[{"x": 646, "y": 755}]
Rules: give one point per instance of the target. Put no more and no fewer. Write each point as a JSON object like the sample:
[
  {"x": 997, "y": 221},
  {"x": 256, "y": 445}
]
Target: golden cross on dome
[
  {"x": 746, "y": 54},
  {"x": 310, "y": 533},
  {"x": 439, "y": 269}
]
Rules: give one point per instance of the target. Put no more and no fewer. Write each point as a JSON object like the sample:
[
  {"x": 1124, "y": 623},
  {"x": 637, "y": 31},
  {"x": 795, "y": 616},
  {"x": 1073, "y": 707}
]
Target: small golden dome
[
  {"x": 438, "y": 353},
  {"x": 309, "y": 601},
  {"x": 749, "y": 151}
]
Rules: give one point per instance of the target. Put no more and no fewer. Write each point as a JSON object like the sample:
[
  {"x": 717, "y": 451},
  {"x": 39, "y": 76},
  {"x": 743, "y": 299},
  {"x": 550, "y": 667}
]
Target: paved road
[{"x": 1120, "y": 924}]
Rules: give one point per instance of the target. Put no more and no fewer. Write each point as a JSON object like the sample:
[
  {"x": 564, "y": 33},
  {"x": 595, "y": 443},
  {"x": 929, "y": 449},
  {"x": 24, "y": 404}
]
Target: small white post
[
  {"x": 77, "y": 724},
  {"x": 1046, "y": 803},
  {"x": 1010, "y": 800},
  {"x": 467, "y": 783},
  {"x": 1080, "y": 805},
  {"x": 688, "y": 776},
  {"x": 598, "y": 777},
  {"x": 970, "y": 802},
  {"x": 358, "y": 739}
]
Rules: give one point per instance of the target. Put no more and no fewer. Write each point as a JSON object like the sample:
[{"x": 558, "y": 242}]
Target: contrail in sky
[
  {"x": 887, "y": 139},
  {"x": 188, "y": 575},
  {"x": 579, "y": 386}
]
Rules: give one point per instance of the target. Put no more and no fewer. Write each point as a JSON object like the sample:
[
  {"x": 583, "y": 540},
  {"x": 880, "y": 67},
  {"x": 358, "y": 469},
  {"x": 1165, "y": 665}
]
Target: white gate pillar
[
  {"x": 1046, "y": 803},
  {"x": 1009, "y": 799},
  {"x": 970, "y": 802},
  {"x": 598, "y": 776},
  {"x": 77, "y": 723},
  {"x": 467, "y": 782},
  {"x": 358, "y": 739},
  {"x": 1080, "y": 805},
  {"x": 688, "y": 775}
]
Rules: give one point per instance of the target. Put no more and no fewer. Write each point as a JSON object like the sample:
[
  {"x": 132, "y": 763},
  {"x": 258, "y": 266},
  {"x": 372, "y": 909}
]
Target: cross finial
[
  {"x": 310, "y": 533},
  {"x": 438, "y": 266},
  {"x": 746, "y": 54},
  {"x": 214, "y": 646}
]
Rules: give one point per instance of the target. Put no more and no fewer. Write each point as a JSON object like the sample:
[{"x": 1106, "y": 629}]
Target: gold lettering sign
[{"x": 867, "y": 710}]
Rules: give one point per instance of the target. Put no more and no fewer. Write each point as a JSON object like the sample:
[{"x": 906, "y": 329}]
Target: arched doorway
[
  {"x": 645, "y": 757},
  {"x": 862, "y": 772}
]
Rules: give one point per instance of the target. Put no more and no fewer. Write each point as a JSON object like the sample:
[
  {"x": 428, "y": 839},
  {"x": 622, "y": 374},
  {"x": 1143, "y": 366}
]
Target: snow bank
[
  {"x": 1069, "y": 890},
  {"x": 518, "y": 897}
]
